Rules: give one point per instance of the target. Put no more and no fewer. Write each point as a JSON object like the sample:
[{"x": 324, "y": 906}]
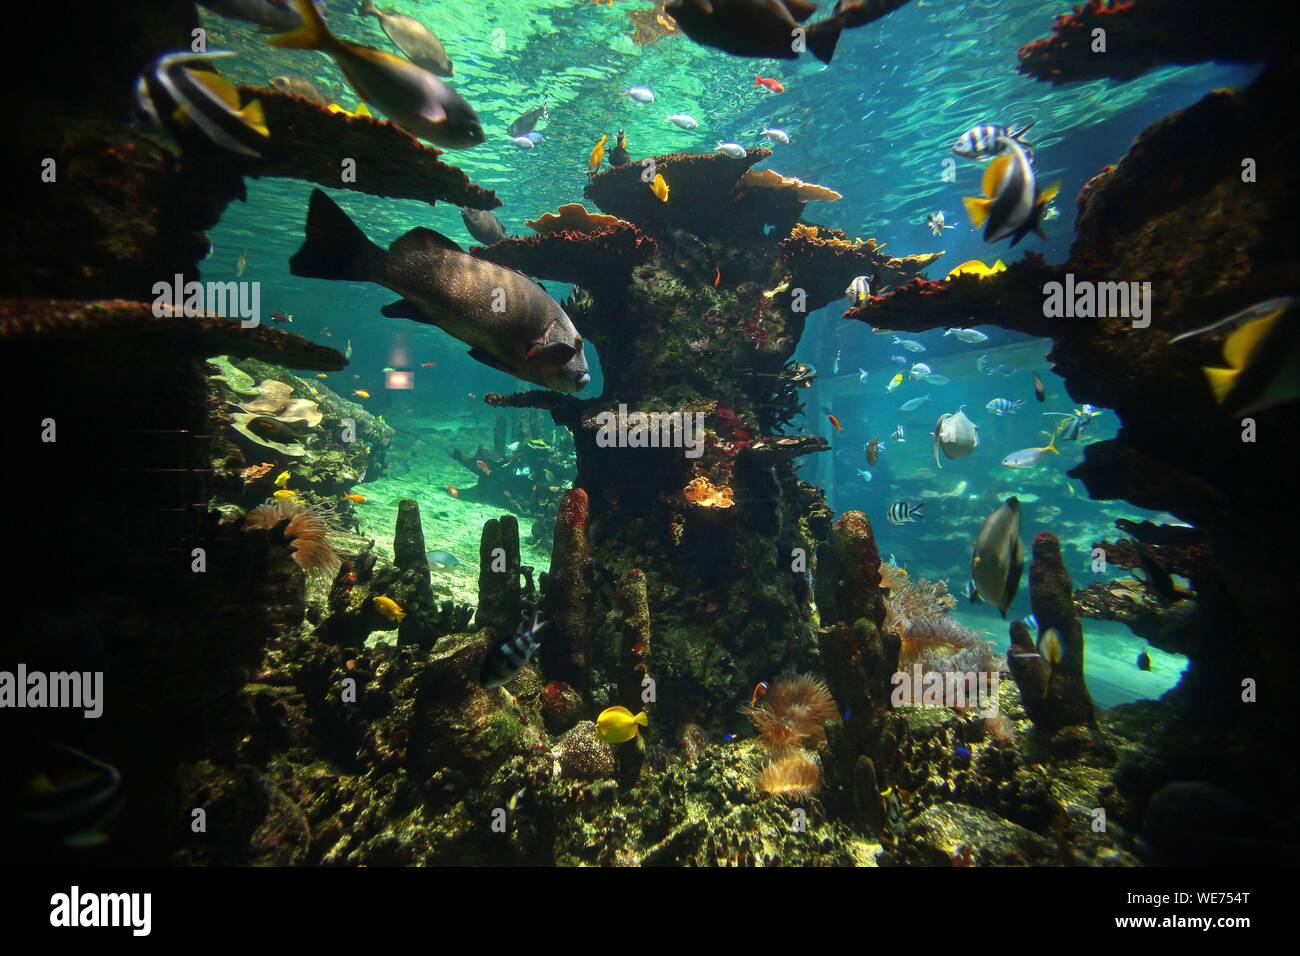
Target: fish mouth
[{"x": 583, "y": 380}]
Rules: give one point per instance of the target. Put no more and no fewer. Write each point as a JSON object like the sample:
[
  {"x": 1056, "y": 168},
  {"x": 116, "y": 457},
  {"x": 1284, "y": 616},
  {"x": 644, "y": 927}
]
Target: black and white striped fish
[
  {"x": 900, "y": 512},
  {"x": 183, "y": 101},
  {"x": 1012, "y": 204},
  {"x": 508, "y": 657},
  {"x": 981, "y": 142}
]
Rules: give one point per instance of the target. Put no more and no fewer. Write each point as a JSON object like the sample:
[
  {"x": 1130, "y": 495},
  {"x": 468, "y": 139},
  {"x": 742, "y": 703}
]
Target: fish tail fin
[
  {"x": 756, "y": 79},
  {"x": 255, "y": 118},
  {"x": 335, "y": 247},
  {"x": 823, "y": 37},
  {"x": 312, "y": 35},
  {"x": 367, "y": 9},
  {"x": 641, "y": 719},
  {"x": 977, "y": 209},
  {"x": 1221, "y": 381}
]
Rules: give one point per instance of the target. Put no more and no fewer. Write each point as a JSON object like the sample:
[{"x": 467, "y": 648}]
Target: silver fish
[
  {"x": 956, "y": 435},
  {"x": 412, "y": 37},
  {"x": 998, "y": 558}
]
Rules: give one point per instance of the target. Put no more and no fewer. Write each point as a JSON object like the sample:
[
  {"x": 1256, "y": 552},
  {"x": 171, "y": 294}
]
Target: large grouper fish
[{"x": 507, "y": 319}]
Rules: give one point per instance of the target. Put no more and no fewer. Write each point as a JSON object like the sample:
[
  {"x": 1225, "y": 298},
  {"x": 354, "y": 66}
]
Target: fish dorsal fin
[
  {"x": 422, "y": 239},
  {"x": 1243, "y": 342},
  {"x": 619, "y": 710},
  {"x": 994, "y": 174},
  {"x": 217, "y": 86}
]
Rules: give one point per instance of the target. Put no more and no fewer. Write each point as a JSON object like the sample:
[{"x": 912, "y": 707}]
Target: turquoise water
[{"x": 876, "y": 126}]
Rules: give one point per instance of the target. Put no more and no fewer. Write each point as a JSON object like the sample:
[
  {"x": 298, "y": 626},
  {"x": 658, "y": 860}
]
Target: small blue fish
[
  {"x": 1031, "y": 622},
  {"x": 728, "y": 738},
  {"x": 442, "y": 559},
  {"x": 864, "y": 474},
  {"x": 961, "y": 757}
]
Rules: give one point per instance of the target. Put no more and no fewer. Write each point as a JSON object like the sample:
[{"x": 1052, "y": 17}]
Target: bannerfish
[
  {"x": 297, "y": 86},
  {"x": 1262, "y": 356},
  {"x": 956, "y": 435},
  {"x": 898, "y": 434},
  {"x": 508, "y": 657},
  {"x": 412, "y": 37},
  {"x": 274, "y": 15},
  {"x": 1029, "y": 457},
  {"x": 407, "y": 94},
  {"x": 912, "y": 404},
  {"x": 640, "y": 94},
  {"x": 525, "y": 123},
  {"x": 977, "y": 268},
  {"x": 734, "y": 150},
  {"x": 935, "y": 223},
  {"x": 69, "y": 798},
  {"x": 756, "y": 28},
  {"x": 442, "y": 559},
  {"x": 912, "y": 345},
  {"x": 530, "y": 338},
  {"x": 683, "y": 120},
  {"x": 617, "y": 725},
  {"x": 900, "y": 512},
  {"x": 1012, "y": 204},
  {"x": 482, "y": 225},
  {"x": 776, "y": 136},
  {"x": 969, "y": 336},
  {"x": 985, "y": 140},
  {"x": 998, "y": 558},
  {"x": 187, "y": 102},
  {"x": 859, "y": 289}
]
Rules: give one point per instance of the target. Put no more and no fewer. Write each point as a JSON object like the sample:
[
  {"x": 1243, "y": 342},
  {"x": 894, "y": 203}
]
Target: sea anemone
[
  {"x": 305, "y": 528},
  {"x": 791, "y": 775},
  {"x": 794, "y": 712}
]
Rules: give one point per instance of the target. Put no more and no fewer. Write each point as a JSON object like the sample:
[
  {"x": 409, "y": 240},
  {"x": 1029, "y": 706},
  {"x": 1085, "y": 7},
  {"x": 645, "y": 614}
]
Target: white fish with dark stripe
[
  {"x": 174, "y": 97},
  {"x": 982, "y": 142},
  {"x": 900, "y": 512},
  {"x": 1012, "y": 204},
  {"x": 506, "y": 658}
]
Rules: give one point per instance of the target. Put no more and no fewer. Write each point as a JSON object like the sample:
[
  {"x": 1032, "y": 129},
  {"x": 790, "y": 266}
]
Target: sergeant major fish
[
  {"x": 508, "y": 657},
  {"x": 986, "y": 140}
]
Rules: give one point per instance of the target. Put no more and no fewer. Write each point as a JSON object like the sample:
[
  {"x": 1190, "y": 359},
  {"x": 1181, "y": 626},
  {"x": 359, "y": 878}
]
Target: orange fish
[
  {"x": 760, "y": 691},
  {"x": 355, "y": 498},
  {"x": 836, "y": 422},
  {"x": 717, "y": 276},
  {"x": 451, "y": 490},
  {"x": 769, "y": 84},
  {"x": 483, "y": 466},
  {"x": 322, "y": 375},
  {"x": 428, "y": 365},
  {"x": 361, "y": 393}
]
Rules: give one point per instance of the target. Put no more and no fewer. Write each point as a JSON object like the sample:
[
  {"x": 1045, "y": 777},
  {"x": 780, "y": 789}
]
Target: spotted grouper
[{"x": 507, "y": 319}]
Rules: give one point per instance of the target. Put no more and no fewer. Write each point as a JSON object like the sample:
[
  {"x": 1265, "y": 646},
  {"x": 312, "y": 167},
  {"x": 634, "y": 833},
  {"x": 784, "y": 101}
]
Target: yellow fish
[
  {"x": 285, "y": 495},
  {"x": 1052, "y": 651},
  {"x": 616, "y": 725},
  {"x": 390, "y": 609},
  {"x": 976, "y": 267},
  {"x": 660, "y": 188},
  {"x": 597, "y": 154},
  {"x": 894, "y": 382},
  {"x": 282, "y": 478},
  {"x": 361, "y": 110},
  {"x": 1262, "y": 360}
]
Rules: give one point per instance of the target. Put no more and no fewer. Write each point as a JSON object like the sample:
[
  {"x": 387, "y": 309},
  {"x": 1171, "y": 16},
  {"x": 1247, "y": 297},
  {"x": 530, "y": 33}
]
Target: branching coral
[
  {"x": 305, "y": 528},
  {"x": 791, "y": 775}
]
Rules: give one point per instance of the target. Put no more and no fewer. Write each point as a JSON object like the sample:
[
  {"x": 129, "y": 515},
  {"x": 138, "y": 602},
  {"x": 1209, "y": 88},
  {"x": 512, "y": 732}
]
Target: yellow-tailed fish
[
  {"x": 976, "y": 267},
  {"x": 660, "y": 188},
  {"x": 285, "y": 494},
  {"x": 360, "y": 111},
  {"x": 1263, "y": 360},
  {"x": 597, "y": 154},
  {"x": 282, "y": 478},
  {"x": 617, "y": 725},
  {"x": 410, "y": 96},
  {"x": 390, "y": 609},
  {"x": 1051, "y": 649},
  {"x": 1012, "y": 204},
  {"x": 175, "y": 97},
  {"x": 894, "y": 382}
]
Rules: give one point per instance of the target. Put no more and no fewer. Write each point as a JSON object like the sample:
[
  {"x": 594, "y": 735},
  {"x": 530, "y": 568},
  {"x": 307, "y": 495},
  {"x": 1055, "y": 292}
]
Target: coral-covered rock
[
  {"x": 562, "y": 706},
  {"x": 582, "y": 755},
  {"x": 586, "y": 258},
  {"x": 567, "y": 650}
]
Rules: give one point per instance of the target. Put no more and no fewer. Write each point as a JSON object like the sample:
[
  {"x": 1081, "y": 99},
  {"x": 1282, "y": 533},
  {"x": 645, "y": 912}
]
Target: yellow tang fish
[
  {"x": 660, "y": 188},
  {"x": 1052, "y": 651},
  {"x": 616, "y": 725},
  {"x": 597, "y": 154},
  {"x": 285, "y": 495},
  {"x": 361, "y": 110},
  {"x": 976, "y": 267},
  {"x": 390, "y": 609},
  {"x": 282, "y": 478}
]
